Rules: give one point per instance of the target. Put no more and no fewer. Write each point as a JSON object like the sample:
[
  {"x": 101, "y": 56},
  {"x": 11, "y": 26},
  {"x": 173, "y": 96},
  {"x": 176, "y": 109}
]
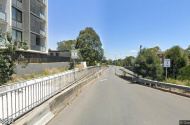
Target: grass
[
  {"x": 178, "y": 82},
  {"x": 45, "y": 72}
]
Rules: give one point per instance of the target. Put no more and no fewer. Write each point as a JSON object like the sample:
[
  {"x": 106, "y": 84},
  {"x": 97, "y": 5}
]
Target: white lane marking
[{"x": 103, "y": 80}]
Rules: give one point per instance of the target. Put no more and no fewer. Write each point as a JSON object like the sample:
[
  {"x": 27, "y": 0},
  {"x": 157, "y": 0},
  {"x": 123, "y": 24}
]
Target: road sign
[
  {"x": 74, "y": 54},
  {"x": 166, "y": 62}
]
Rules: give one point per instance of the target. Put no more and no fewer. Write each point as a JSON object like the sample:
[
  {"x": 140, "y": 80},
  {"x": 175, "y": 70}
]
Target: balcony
[
  {"x": 38, "y": 48},
  {"x": 2, "y": 18},
  {"x": 42, "y": 16},
  {"x": 42, "y": 33}
]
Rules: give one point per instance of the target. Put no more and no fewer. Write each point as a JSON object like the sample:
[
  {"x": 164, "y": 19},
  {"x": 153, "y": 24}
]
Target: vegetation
[
  {"x": 178, "y": 59},
  {"x": 178, "y": 82},
  {"x": 7, "y": 63},
  {"x": 184, "y": 73},
  {"x": 90, "y": 46},
  {"x": 147, "y": 64},
  {"x": 45, "y": 72},
  {"x": 129, "y": 60},
  {"x": 66, "y": 45}
]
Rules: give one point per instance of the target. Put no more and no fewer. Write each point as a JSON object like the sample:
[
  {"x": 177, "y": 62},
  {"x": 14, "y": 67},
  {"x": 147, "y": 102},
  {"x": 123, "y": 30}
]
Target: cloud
[{"x": 133, "y": 51}]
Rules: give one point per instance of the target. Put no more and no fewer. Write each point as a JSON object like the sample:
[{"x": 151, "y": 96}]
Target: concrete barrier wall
[
  {"x": 37, "y": 68},
  {"x": 44, "y": 113}
]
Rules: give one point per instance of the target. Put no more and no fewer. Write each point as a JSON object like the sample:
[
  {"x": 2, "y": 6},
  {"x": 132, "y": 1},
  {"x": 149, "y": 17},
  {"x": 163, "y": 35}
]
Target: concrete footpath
[{"x": 114, "y": 101}]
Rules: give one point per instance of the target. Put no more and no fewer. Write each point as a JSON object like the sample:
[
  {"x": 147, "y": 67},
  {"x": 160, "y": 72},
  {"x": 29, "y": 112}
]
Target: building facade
[
  {"x": 59, "y": 53},
  {"x": 28, "y": 20}
]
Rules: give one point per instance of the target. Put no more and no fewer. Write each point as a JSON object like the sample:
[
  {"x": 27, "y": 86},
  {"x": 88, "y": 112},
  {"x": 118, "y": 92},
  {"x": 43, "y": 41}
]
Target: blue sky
[{"x": 123, "y": 25}]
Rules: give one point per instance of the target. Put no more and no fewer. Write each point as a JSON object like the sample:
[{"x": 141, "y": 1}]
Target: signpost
[
  {"x": 166, "y": 64},
  {"x": 74, "y": 55}
]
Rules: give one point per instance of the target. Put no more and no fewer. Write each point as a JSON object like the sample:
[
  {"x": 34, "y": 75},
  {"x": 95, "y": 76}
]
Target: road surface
[{"x": 114, "y": 101}]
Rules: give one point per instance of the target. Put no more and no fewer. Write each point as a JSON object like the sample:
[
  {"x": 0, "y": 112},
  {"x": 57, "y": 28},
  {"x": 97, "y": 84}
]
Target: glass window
[
  {"x": 19, "y": 16},
  {"x": 16, "y": 35},
  {"x": 20, "y": 1},
  {"x": 38, "y": 40},
  {"x": 13, "y": 13},
  {"x": 13, "y": 34},
  {"x": 16, "y": 15},
  {"x": 19, "y": 36}
]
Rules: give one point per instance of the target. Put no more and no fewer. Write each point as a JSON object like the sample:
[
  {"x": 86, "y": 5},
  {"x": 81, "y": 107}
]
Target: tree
[
  {"x": 147, "y": 64},
  {"x": 7, "y": 63},
  {"x": 90, "y": 46},
  {"x": 188, "y": 52},
  {"x": 128, "y": 60},
  {"x": 66, "y": 45},
  {"x": 184, "y": 73},
  {"x": 178, "y": 59},
  {"x": 110, "y": 62}
]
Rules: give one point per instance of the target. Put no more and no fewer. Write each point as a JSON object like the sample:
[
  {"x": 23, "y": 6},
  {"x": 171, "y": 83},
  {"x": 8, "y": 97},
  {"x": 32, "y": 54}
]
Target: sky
[{"x": 123, "y": 25}]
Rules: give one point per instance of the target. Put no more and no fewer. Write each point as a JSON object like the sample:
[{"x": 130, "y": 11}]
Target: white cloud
[{"x": 133, "y": 51}]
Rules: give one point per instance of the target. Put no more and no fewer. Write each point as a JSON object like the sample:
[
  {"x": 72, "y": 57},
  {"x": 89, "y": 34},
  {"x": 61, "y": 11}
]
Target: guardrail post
[{"x": 170, "y": 89}]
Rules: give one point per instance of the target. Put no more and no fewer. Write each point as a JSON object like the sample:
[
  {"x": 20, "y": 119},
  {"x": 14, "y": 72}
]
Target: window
[
  {"x": 16, "y": 35},
  {"x": 57, "y": 54},
  {"x": 20, "y": 1},
  {"x": 16, "y": 15},
  {"x": 51, "y": 54},
  {"x": 38, "y": 40}
]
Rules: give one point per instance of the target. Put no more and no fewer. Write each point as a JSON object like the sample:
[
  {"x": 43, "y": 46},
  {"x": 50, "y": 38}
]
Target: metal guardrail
[
  {"x": 20, "y": 98},
  {"x": 151, "y": 82},
  {"x": 170, "y": 85}
]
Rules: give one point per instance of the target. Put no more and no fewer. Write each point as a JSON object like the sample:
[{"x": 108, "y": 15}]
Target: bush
[{"x": 184, "y": 73}]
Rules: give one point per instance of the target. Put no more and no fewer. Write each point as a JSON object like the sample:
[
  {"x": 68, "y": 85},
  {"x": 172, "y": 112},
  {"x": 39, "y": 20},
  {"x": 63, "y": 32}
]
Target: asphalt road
[{"x": 114, "y": 101}]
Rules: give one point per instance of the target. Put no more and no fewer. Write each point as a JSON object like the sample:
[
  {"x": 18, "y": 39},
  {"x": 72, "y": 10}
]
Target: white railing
[{"x": 19, "y": 98}]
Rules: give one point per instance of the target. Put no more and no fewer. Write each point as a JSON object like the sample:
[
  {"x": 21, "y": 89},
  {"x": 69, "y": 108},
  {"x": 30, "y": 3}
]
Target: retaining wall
[{"x": 37, "y": 68}]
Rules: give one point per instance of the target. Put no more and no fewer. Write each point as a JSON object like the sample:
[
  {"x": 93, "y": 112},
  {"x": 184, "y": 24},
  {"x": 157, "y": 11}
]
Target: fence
[
  {"x": 40, "y": 58},
  {"x": 19, "y": 98}
]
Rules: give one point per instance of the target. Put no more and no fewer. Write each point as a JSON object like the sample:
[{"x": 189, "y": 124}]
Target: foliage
[
  {"x": 90, "y": 46},
  {"x": 184, "y": 73},
  {"x": 66, "y": 45},
  {"x": 154, "y": 49},
  {"x": 178, "y": 82},
  {"x": 45, "y": 72},
  {"x": 128, "y": 61},
  {"x": 188, "y": 52},
  {"x": 110, "y": 62},
  {"x": 178, "y": 59},
  {"x": 147, "y": 64},
  {"x": 6, "y": 56}
]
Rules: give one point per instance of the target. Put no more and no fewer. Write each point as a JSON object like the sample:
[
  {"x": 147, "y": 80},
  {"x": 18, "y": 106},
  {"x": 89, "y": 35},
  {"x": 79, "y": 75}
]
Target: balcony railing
[
  {"x": 38, "y": 48},
  {"x": 42, "y": 16},
  {"x": 2, "y": 16},
  {"x": 42, "y": 33}
]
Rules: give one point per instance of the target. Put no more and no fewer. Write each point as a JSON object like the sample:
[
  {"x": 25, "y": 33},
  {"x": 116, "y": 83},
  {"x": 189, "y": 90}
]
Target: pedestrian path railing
[{"x": 19, "y": 98}]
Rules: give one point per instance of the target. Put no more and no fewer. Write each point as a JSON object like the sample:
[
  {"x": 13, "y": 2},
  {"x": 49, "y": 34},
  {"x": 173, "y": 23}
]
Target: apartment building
[{"x": 28, "y": 20}]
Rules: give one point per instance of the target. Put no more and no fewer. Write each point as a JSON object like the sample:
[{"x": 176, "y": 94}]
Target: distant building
[
  {"x": 59, "y": 53},
  {"x": 161, "y": 56}
]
